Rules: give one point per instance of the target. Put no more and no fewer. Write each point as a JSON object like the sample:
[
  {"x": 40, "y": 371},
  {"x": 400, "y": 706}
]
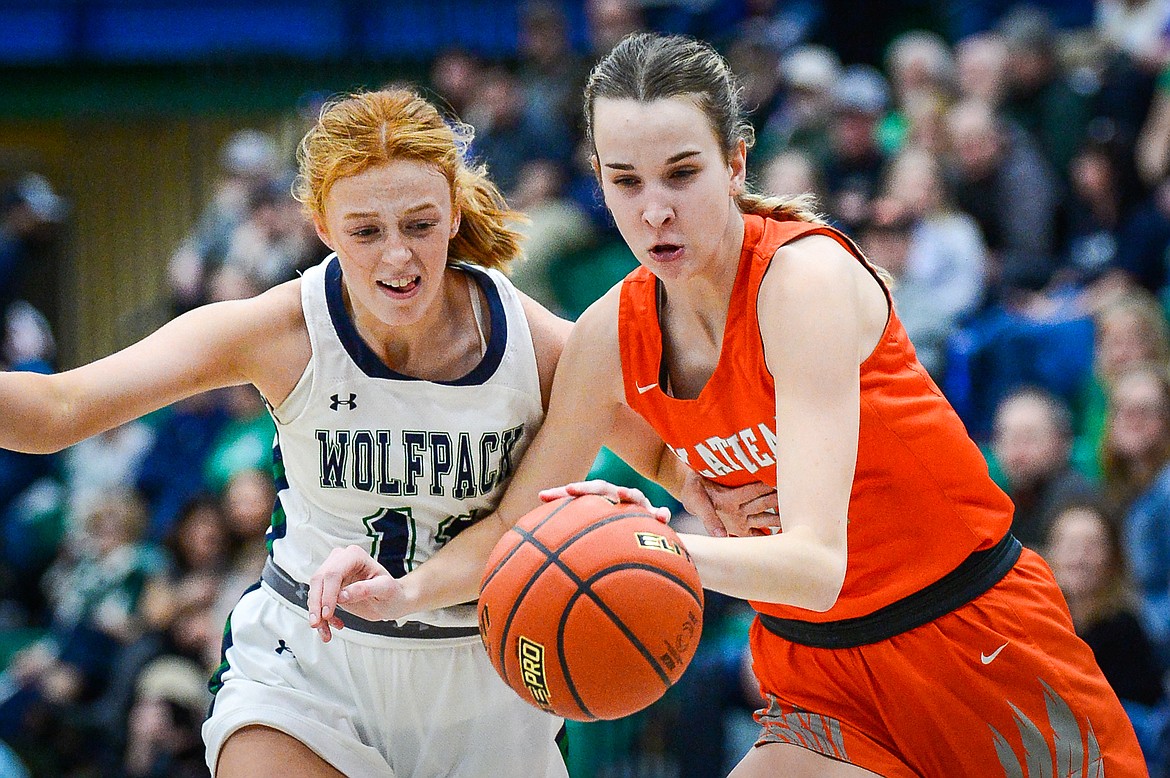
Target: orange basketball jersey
[{"x": 922, "y": 500}]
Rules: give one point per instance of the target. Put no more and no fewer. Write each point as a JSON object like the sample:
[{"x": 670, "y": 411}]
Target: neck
[
  {"x": 442, "y": 345},
  {"x": 705, "y": 292}
]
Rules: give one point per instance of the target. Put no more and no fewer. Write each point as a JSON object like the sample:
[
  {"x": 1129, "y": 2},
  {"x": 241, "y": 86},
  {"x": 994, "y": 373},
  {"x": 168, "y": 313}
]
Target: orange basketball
[{"x": 590, "y": 610}]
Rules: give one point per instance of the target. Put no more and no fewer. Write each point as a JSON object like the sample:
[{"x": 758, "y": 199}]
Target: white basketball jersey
[{"x": 392, "y": 463}]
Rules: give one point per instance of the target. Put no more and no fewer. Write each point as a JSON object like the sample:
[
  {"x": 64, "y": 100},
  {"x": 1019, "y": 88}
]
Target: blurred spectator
[
  {"x": 1129, "y": 330},
  {"x": 200, "y": 548},
  {"x": 228, "y": 282},
  {"x": 30, "y": 212},
  {"x": 184, "y": 435},
  {"x": 1136, "y": 444},
  {"x": 1031, "y": 443},
  {"x": 275, "y": 240},
  {"x": 1136, "y": 458},
  {"x": 801, "y": 121},
  {"x": 922, "y": 72},
  {"x": 244, "y": 443},
  {"x": 1100, "y": 197},
  {"x": 1136, "y": 28},
  {"x": 250, "y": 163},
  {"x": 792, "y": 173},
  {"x": 164, "y": 739},
  {"x": 981, "y": 65},
  {"x": 107, "y": 461},
  {"x": 946, "y": 259},
  {"x": 608, "y": 21},
  {"x": 1085, "y": 553},
  {"x": 853, "y": 169},
  {"x": 556, "y": 227},
  {"x": 551, "y": 73},
  {"x": 1041, "y": 97},
  {"x": 1000, "y": 178},
  {"x": 454, "y": 74},
  {"x": 506, "y": 132},
  {"x": 756, "y": 62},
  {"x": 94, "y": 590}
]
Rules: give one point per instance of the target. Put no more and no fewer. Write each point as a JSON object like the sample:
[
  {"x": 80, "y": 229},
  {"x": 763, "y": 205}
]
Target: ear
[
  {"x": 456, "y": 220},
  {"x": 737, "y": 167},
  {"x": 596, "y": 167},
  {"x": 323, "y": 232}
]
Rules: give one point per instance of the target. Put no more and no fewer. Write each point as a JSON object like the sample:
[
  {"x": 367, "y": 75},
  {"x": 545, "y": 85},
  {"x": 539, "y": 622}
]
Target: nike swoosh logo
[
  {"x": 644, "y": 389},
  {"x": 989, "y": 658}
]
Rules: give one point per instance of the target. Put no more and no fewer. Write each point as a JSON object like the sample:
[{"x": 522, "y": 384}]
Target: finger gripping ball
[{"x": 590, "y": 610}]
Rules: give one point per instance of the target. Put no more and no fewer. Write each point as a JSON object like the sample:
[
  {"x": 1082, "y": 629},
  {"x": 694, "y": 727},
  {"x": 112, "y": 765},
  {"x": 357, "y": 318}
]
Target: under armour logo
[
  {"x": 336, "y": 402},
  {"x": 280, "y": 649}
]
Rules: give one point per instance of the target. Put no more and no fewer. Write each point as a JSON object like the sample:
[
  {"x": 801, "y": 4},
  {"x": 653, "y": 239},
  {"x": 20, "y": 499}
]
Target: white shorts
[{"x": 376, "y": 706}]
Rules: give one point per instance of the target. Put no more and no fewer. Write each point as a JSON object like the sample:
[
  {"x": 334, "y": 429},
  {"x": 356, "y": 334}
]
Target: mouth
[
  {"x": 400, "y": 287},
  {"x": 666, "y": 252}
]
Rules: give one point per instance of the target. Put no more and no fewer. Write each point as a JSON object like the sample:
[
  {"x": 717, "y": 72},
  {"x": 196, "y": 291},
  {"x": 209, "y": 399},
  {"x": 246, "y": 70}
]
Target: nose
[
  {"x": 657, "y": 211},
  {"x": 394, "y": 250}
]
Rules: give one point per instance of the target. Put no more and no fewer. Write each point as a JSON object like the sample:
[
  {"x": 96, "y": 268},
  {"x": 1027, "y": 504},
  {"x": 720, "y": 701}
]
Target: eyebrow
[
  {"x": 408, "y": 212},
  {"x": 676, "y": 158}
]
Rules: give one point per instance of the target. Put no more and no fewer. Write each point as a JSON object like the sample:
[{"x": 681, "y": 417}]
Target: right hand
[
  {"x": 611, "y": 492},
  {"x": 752, "y": 509},
  {"x": 351, "y": 577}
]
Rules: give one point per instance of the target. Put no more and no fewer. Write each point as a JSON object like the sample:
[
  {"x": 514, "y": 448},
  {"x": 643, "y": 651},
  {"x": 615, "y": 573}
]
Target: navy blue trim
[{"x": 364, "y": 357}]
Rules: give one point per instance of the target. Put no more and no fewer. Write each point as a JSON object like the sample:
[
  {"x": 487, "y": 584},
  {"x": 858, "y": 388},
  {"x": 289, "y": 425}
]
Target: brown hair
[
  {"x": 364, "y": 129},
  {"x": 1117, "y": 594},
  {"x": 647, "y": 67},
  {"x": 1125, "y": 479}
]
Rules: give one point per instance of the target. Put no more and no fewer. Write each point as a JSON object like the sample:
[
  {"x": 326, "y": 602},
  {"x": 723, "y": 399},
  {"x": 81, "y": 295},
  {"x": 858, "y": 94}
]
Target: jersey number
[{"x": 394, "y": 537}]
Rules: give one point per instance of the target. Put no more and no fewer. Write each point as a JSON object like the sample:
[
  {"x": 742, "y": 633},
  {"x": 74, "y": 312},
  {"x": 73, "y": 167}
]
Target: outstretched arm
[{"x": 218, "y": 345}]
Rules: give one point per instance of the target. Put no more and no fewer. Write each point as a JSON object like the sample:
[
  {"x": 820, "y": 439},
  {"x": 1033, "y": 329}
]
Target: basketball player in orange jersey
[{"x": 901, "y": 629}]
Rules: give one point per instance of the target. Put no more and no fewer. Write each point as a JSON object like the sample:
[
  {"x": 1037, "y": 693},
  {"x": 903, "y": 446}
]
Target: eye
[
  {"x": 683, "y": 173},
  {"x": 422, "y": 225},
  {"x": 625, "y": 181},
  {"x": 364, "y": 232}
]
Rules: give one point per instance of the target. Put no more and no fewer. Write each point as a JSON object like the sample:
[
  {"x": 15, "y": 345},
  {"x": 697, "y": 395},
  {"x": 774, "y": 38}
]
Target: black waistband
[
  {"x": 298, "y": 594},
  {"x": 977, "y": 573}
]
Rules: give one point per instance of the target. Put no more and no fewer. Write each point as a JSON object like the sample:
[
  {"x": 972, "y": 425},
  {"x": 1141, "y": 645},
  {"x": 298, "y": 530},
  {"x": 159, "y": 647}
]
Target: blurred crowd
[{"x": 1008, "y": 165}]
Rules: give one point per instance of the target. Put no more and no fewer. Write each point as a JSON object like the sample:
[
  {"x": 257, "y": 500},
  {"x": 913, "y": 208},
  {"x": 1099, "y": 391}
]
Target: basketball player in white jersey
[{"x": 406, "y": 376}]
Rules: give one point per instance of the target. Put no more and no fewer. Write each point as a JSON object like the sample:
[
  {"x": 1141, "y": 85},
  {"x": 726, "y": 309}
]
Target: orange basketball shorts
[{"x": 1001, "y": 686}]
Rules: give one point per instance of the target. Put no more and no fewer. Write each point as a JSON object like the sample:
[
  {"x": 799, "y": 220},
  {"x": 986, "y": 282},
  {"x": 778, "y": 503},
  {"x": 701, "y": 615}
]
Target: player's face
[
  {"x": 390, "y": 226},
  {"x": 668, "y": 183}
]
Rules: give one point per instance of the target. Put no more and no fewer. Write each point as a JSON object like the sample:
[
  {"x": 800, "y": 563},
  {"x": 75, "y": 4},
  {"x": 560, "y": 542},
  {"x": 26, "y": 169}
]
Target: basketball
[{"x": 590, "y": 609}]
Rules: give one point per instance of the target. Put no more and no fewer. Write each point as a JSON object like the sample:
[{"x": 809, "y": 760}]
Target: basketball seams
[
  {"x": 585, "y": 588},
  {"x": 512, "y": 552},
  {"x": 525, "y": 576},
  {"x": 551, "y": 557}
]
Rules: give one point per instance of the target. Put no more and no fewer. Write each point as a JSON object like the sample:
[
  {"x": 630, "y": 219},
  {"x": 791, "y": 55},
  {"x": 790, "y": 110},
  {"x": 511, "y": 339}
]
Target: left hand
[
  {"x": 611, "y": 492},
  {"x": 751, "y": 509},
  {"x": 351, "y": 577}
]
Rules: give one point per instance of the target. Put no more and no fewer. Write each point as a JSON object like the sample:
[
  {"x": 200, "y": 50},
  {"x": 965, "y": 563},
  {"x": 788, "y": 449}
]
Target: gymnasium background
[{"x": 121, "y": 121}]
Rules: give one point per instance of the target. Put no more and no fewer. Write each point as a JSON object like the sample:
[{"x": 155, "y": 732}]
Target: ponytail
[{"x": 484, "y": 237}]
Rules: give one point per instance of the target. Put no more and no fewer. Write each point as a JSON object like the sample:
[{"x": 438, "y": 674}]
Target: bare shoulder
[
  {"x": 549, "y": 335},
  {"x": 812, "y": 259},
  {"x": 598, "y": 325},
  {"x": 594, "y": 343},
  {"x": 817, "y": 282},
  {"x": 276, "y": 339},
  {"x": 549, "y": 331}
]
